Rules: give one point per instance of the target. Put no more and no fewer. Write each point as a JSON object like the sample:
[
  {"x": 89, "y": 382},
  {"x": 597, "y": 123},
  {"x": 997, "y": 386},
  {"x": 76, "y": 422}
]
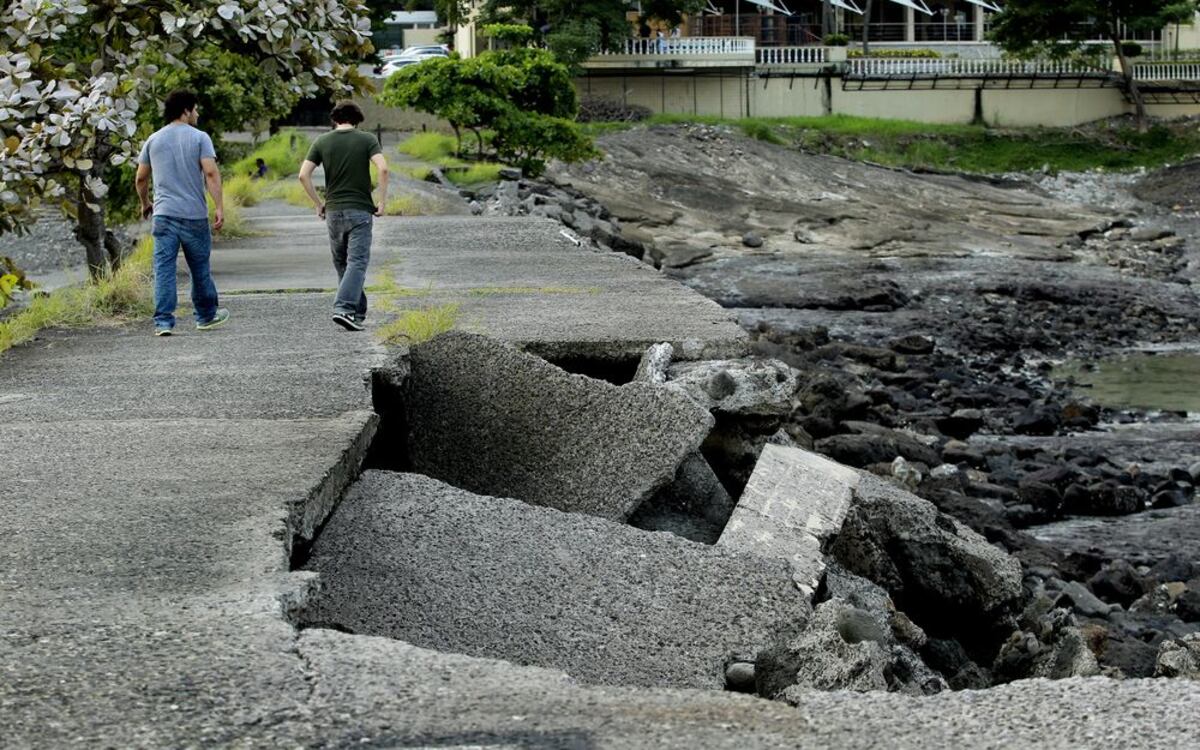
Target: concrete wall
[
  {"x": 709, "y": 94},
  {"x": 727, "y": 94}
]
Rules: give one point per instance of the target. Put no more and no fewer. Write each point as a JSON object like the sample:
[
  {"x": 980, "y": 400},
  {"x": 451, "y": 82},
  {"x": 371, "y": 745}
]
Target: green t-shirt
[{"x": 346, "y": 155}]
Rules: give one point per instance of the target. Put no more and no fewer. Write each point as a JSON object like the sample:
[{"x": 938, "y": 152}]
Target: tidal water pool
[{"x": 1170, "y": 382}]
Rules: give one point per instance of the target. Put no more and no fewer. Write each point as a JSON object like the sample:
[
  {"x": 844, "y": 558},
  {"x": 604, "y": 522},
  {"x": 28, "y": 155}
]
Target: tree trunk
[
  {"x": 1131, "y": 85},
  {"x": 866, "y": 39},
  {"x": 91, "y": 231}
]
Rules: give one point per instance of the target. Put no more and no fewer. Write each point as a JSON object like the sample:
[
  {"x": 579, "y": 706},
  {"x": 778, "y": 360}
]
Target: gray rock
[
  {"x": 740, "y": 676},
  {"x": 1083, "y": 601},
  {"x": 752, "y": 239},
  {"x": 655, "y": 364},
  {"x": 843, "y": 648},
  {"x": 741, "y": 386},
  {"x": 486, "y": 417},
  {"x": 1150, "y": 233},
  {"x": 508, "y": 199},
  {"x": 475, "y": 207},
  {"x": 880, "y": 446},
  {"x": 411, "y": 558},
  {"x": 929, "y": 564},
  {"x": 510, "y": 173},
  {"x": 794, "y": 502},
  {"x": 1179, "y": 658}
]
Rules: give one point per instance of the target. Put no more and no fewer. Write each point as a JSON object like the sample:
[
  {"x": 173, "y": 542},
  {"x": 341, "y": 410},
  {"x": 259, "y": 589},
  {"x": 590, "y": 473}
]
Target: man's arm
[
  {"x": 142, "y": 182},
  {"x": 306, "y": 171},
  {"x": 212, "y": 178},
  {"x": 382, "y": 168}
]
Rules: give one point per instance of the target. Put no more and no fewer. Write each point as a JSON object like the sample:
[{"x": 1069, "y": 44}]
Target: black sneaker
[{"x": 348, "y": 322}]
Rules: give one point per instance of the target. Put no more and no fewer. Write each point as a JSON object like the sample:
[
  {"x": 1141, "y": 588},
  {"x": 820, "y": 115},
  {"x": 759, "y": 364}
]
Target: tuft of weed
[
  {"x": 120, "y": 295},
  {"x": 416, "y": 326}
]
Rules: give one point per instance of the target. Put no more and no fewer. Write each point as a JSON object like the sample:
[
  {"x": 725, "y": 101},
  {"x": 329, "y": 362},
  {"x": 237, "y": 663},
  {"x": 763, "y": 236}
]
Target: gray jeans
[{"x": 350, "y": 243}]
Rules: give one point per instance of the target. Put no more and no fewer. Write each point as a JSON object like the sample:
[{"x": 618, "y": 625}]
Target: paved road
[{"x": 152, "y": 487}]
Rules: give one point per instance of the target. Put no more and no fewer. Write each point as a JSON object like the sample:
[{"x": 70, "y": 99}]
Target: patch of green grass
[
  {"x": 283, "y": 153},
  {"x": 416, "y": 326},
  {"x": 406, "y": 205},
  {"x": 118, "y": 296},
  {"x": 417, "y": 173},
  {"x": 430, "y": 147},
  {"x": 475, "y": 174},
  {"x": 236, "y": 226},
  {"x": 244, "y": 190},
  {"x": 290, "y": 191}
]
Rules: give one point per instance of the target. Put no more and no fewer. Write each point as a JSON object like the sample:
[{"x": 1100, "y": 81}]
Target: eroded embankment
[{"x": 813, "y": 575}]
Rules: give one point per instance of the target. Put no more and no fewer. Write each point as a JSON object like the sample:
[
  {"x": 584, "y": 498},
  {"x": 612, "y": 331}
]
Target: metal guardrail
[
  {"x": 685, "y": 46},
  {"x": 1166, "y": 71},
  {"x": 792, "y": 55},
  {"x": 867, "y": 67}
]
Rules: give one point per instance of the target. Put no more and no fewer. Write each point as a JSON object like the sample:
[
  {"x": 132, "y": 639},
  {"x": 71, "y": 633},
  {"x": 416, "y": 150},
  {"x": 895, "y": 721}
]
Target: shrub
[
  {"x": 835, "y": 40},
  {"x": 1131, "y": 49},
  {"x": 244, "y": 190},
  {"x": 528, "y": 140},
  {"x": 910, "y": 54},
  {"x": 431, "y": 147}
]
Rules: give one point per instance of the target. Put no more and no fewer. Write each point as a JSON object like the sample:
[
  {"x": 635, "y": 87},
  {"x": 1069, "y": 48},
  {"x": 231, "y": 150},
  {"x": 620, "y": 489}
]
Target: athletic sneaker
[
  {"x": 221, "y": 316},
  {"x": 348, "y": 322},
  {"x": 163, "y": 331}
]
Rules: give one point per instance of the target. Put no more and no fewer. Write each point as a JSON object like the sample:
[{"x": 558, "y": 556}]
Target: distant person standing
[
  {"x": 348, "y": 209},
  {"x": 183, "y": 163}
]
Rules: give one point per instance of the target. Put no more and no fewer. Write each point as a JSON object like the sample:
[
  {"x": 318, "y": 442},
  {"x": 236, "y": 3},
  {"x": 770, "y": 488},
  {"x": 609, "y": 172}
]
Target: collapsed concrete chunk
[
  {"x": 794, "y": 502},
  {"x": 747, "y": 387},
  {"x": 411, "y": 558},
  {"x": 484, "y": 416},
  {"x": 949, "y": 579}
]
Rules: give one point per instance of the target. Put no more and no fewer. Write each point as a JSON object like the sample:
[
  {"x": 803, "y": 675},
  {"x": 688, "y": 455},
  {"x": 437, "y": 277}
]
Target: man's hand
[
  {"x": 218, "y": 219},
  {"x": 321, "y": 211},
  {"x": 379, "y": 209},
  {"x": 147, "y": 210}
]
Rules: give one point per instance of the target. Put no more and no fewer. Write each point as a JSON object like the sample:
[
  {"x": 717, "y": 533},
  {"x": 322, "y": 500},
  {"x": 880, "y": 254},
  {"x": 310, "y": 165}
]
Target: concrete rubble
[
  {"x": 414, "y": 559},
  {"x": 795, "y": 502},
  {"x": 486, "y": 417}
]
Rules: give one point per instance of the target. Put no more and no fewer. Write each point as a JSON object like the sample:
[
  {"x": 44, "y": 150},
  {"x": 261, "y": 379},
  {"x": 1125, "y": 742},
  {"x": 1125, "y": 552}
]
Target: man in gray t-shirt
[{"x": 183, "y": 163}]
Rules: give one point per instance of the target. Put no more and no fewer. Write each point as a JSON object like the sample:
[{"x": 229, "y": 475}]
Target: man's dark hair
[
  {"x": 178, "y": 102},
  {"x": 346, "y": 113}
]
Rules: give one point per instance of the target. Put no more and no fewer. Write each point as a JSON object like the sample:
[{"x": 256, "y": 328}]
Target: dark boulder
[{"x": 1119, "y": 582}]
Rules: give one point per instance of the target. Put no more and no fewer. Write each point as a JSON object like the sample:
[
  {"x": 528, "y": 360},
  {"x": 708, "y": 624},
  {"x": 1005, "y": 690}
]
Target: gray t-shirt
[{"x": 173, "y": 155}]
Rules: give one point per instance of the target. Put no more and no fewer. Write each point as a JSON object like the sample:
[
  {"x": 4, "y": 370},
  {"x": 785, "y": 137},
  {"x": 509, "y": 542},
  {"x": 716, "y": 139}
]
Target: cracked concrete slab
[
  {"x": 794, "y": 502},
  {"x": 415, "y": 559},
  {"x": 486, "y": 417}
]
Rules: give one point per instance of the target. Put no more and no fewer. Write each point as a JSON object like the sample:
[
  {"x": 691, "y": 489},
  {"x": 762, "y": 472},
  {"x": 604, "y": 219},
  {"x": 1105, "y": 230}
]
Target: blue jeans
[
  {"x": 350, "y": 243},
  {"x": 195, "y": 238}
]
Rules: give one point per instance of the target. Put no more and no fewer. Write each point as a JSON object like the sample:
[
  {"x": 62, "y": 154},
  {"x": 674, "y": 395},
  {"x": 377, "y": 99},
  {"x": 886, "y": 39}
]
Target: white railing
[
  {"x": 962, "y": 68},
  {"x": 686, "y": 46},
  {"x": 792, "y": 55},
  {"x": 1166, "y": 71}
]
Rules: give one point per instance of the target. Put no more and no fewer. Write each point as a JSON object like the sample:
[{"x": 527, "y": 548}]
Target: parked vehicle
[{"x": 391, "y": 63}]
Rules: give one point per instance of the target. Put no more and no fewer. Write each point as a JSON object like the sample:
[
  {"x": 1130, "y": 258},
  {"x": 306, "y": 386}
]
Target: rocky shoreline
[{"x": 922, "y": 345}]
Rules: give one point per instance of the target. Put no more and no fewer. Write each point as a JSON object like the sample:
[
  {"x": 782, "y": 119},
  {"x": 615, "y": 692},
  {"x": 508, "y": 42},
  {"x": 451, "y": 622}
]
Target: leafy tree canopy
[
  {"x": 1060, "y": 27},
  {"x": 523, "y": 96},
  {"x": 75, "y": 75},
  {"x": 576, "y": 29}
]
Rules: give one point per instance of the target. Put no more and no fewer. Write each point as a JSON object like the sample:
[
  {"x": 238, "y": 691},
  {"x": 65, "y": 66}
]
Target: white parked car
[{"x": 410, "y": 55}]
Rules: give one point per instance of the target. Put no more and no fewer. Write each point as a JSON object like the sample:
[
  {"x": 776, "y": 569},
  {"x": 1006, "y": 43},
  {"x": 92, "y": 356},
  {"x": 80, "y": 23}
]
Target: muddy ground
[{"x": 926, "y": 314}]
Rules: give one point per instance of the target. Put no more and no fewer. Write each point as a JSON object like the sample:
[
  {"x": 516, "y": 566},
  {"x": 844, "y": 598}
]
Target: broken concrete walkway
[{"x": 144, "y": 575}]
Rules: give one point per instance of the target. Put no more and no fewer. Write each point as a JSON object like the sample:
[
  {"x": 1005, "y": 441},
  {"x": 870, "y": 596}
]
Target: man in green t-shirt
[{"x": 348, "y": 209}]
